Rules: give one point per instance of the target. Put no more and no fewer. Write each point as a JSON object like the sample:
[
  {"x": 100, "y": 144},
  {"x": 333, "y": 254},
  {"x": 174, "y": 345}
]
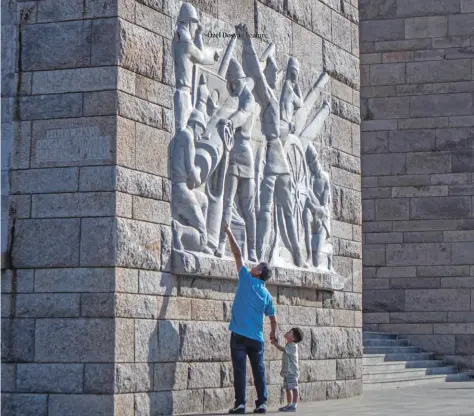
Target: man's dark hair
[
  {"x": 266, "y": 271},
  {"x": 297, "y": 334}
]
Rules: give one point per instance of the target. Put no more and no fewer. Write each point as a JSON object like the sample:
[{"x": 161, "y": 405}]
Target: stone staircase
[{"x": 390, "y": 361}]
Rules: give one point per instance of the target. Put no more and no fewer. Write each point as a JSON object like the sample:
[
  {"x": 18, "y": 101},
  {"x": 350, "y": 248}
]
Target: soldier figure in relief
[
  {"x": 277, "y": 180},
  {"x": 240, "y": 181},
  {"x": 189, "y": 205},
  {"x": 188, "y": 50},
  {"x": 290, "y": 100}
]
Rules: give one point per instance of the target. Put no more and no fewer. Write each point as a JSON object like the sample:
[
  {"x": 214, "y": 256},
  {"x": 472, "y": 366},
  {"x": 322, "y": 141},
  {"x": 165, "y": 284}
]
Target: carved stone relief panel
[{"x": 244, "y": 152}]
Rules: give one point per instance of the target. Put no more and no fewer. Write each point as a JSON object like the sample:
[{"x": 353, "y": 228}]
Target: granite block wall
[
  {"x": 417, "y": 140},
  {"x": 93, "y": 319}
]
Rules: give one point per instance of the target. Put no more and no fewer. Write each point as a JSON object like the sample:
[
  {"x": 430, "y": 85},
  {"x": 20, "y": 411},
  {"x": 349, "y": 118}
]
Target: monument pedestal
[{"x": 99, "y": 315}]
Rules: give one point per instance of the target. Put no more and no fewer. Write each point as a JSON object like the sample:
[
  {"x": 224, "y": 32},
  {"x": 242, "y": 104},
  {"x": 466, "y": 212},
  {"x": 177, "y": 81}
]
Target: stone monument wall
[
  {"x": 418, "y": 162},
  {"x": 97, "y": 318}
]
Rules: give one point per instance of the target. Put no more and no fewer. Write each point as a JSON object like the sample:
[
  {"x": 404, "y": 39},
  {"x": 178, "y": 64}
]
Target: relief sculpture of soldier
[
  {"x": 240, "y": 183},
  {"x": 189, "y": 205},
  {"x": 277, "y": 181},
  {"x": 188, "y": 50},
  {"x": 290, "y": 100}
]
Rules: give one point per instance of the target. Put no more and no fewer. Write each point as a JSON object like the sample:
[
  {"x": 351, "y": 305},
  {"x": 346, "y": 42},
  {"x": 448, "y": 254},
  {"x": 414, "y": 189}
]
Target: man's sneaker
[
  {"x": 239, "y": 410},
  {"x": 283, "y": 409},
  {"x": 261, "y": 409}
]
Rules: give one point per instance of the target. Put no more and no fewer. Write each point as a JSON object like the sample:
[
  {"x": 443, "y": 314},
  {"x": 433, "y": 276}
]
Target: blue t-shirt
[{"x": 252, "y": 301}]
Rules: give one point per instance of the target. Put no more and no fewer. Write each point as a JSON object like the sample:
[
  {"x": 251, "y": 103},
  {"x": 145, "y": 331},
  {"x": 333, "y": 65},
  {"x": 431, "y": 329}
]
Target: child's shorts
[{"x": 290, "y": 382}]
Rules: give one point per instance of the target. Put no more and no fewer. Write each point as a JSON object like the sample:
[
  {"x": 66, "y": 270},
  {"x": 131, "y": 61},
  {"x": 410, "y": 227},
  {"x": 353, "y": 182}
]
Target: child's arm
[{"x": 277, "y": 345}]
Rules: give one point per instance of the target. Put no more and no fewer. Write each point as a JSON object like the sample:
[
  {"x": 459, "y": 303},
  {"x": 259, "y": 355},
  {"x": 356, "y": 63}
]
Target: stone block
[
  {"x": 99, "y": 378},
  {"x": 345, "y": 110},
  {"x": 457, "y": 282},
  {"x": 376, "y": 284},
  {"x": 139, "y": 183},
  {"x": 124, "y": 335},
  {"x": 174, "y": 308},
  {"x": 105, "y": 38},
  {"x": 98, "y": 305},
  {"x": 136, "y": 306},
  {"x": 341, "y": 65},
  {"x": 97, "y": 178},
  {"x": 464, "y": 344},
  {"x": 20, "y": 153},
  {"x": 73, "y": 142},
  {"x": 377, "y": 125},
  {"x": 138, "y": 244},
  {"x": 97, "y": 242},
  {"x": 157, "y": 283},
  {"x": 317, "y": 370},
  {"x": 376, "y": 317},
  {"x": 460, "y": 25},
  {"x": 412, "y": 140},
  {"x": 384, "y": 238},
  {"x": 207, "y": 310},
  {"x": 74, "y": 80},
  {"x": 438, "y": 71},
  {"x": 56, "y": 45},
  {"x": 373, "y": 255},
  {"x": 418, "y": 254},
  {"x": 450, "y": 178},
  {"x": 353, "y": 301},
  {"x": 152, "y": 150},
  {"x": 392, "y": 209},
  {"x": 383, "y": 164},
  {"x": 75, "y": 280},
  {"x": 382, "y": 30},
  {"x": 384, "y": 300},
  {"x": 437, "y": 300},
  {"x": 388, "y": 108},
  {"x": 423, "y": 237},
  {"x": 25, "y": 404},
  {"x": 202, "y": 375},
  {"x": 186, "y": 401},
  {"x": 440, "y": 7},
  {"x": 457, "y": 236},
  {"x": 419, "y": 191},
  {"x": 171, "y": 376},
  {"x": 441, "y": 105},
  {"x": 465, "y": 317},
  {"x": 101, "y": 103},
  {"x": 153, "y": 91},
  {"x": 320, "y": 16},
  {"x": 50, "y": 378},
  {"x": 426, "y": 225},
  {"x": 423, "y": 123},
  {"x": 429, "y": 55},
  {"x": 94, "y": 340},
  {"x": 140, "y": 50},
  {"x": 375, "y": 142},
  {"x": 387, "y": 74},
  {"x": 462, "y": 161},
  {"x": 462, "y": 252},
  {"x": 44, "y": 180},
  {"x": 139, "y": 110},
  {"x": 83, "y": 404},
  {"x": 348, "y": 369},
  {"x": 92, "y": 204},
  {"x": 442, "y": 271},
  {"x": 197, "y": 336},
  {"x": 467, "y": 6},
  {"x": 59, "y": 249},
  {"x": 423, "y": 163},
  {"x": 341, "y": 33},
  {"x": 341, "y": 134},
  {"x": 18, "y": 340},
  {"x": 146, "y": 340},
  {"x": 8, "y": 378},
  {"x": 169, "y": 335},
  {"x": 153, "y": 20},
  {"x": 440, "y": 208},
  {"x": 20, "y": 282},
  {"x": 377, "y": 226},
  {"x": 418, "y": 317},
  {"x": 217, "y": 399},
  {"x": 426, "y": 27},
  {"x": 150, "y": 210},
  {"x": 51, "y": 11},
  {"x": 465, "y": 328},
  {"x": 47, "y": 305},
  {"x": 330, "y": 343},
  {"x": 133, "y": 377}
]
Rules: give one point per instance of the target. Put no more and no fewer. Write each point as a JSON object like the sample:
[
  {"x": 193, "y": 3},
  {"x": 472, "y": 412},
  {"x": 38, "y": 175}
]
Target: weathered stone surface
[
  {"x": 437, "y": 300},
  {"x": 426, "y": 27},
  {"x": 169, "y": 334},
  {"x": 97, "y": 178},
  {"x": 25, "y": 404},
  {"x": 348, "y": 369},
  {"x": 392, "y": 209},
  {"x": 97, "y": 242},
  {"x": 317, "y": 370},
  {"x": 460, "y": 252},
  {"x": 74, "y": 280},
  {"x": 465, "y": 344},
  {"x": 441, "y": 208},
  {"x": 418, "y": 254},
  {"x": 384, "y": 300},
  {"x": 460, "y": 25},
  {"x": 425, "y": 225},
  {"x": 102, "y": 103},
  {"x": 93, "y": 340},
  {"x": 8, "y": 378},
  {"x": 59, "y": 249},
  {"x": 56, "y": 45},
  {"x": 21, "y": 281},
  {"x": 374, "y": 255},
  {"x": 130, "y": 378},
  {"x": 150, "y": 210},
  {"x": 50, "y": 378},
  {"x": 98, "y": 305},
  {"x": 454, "y": 328},
  {"x": 136, "y": 306},
  {"x": 207, "y": 310},
  {"x": 441, "y": 105},
  {"x": 18, "y": 340},
  {"x": 383, "y": 164},
  {"x": 438, "y": 71},
  {"x": 99, "y": 378},
  {"x": 139, "y": 183},
  {"x": 47, "y": 306},
  {"x": 387, "y": 74},
  {"x": 139, "y": 110},
  {"x": 204, "y": 375},
  {"x": 330, "y": 343},
  {"x": 382, "y": 30},
  {"x": 83, "y": 404},
  {"x": 217, "y": 399},
  {"x": 138, "y": 244},
  {"x": 462, "y": 161},
  {"x": 197, "y": 336},
  {"x": 171, "y": 376},
  {"x": 341, "y": 65}
]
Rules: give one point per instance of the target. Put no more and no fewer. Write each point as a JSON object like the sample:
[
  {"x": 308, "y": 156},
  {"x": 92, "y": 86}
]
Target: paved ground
[{"x": 444, "y": 399}]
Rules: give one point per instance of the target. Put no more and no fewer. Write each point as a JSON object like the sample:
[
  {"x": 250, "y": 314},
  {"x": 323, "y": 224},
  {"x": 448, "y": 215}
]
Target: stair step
[
  {"x": 378, "y": 335},
  {"x": 391, "y": 350},
  {"x": 408, "y": 374},
  {"x": 404, "y": 383},
  {"x": 400, "y": 365},
  {"x": 376, "y": 370},
  {"x": 385, "y": 342},
  {"x": 379, "y": 358},
  {"x": 459, "y": 377}
]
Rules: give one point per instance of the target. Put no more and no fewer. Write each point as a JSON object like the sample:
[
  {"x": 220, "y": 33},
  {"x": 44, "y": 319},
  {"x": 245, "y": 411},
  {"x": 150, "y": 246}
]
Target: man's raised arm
[{"x": 234, "y": 247}]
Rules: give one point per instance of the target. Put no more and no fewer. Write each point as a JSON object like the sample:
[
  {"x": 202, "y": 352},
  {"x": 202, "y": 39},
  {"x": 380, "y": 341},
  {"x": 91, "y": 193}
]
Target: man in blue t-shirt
[{"x": 252, "y": 301}]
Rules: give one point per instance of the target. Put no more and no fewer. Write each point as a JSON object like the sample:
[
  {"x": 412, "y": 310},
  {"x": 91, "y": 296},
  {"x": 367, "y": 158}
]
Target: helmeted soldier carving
[
  {"x": 189, "y": 205},
  {"x": 188, "y": 49},
  {"x": 240, "y": 183}
]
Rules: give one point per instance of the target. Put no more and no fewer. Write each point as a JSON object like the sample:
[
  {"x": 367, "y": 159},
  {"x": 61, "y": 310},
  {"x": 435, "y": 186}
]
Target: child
[{"x": 290, "y": 369}]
